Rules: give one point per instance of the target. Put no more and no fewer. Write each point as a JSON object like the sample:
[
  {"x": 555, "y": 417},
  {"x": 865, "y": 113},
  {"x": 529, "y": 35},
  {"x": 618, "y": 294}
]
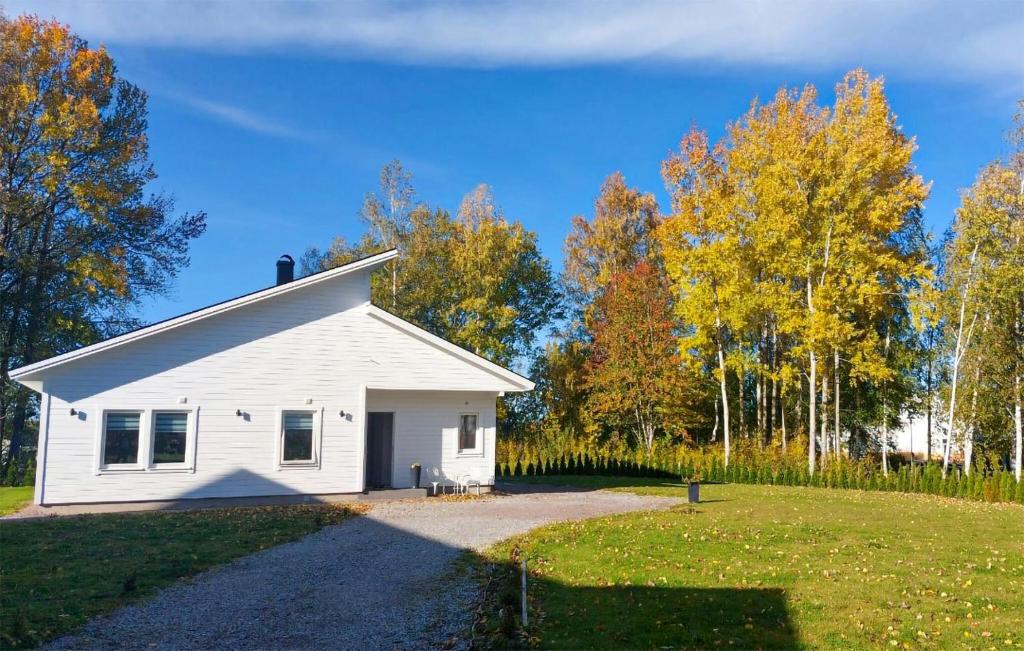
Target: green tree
[
  {"x": 478, "y": 280},
  {"x": 82, "y": 241},
  {"x": 983, "y": 301}
]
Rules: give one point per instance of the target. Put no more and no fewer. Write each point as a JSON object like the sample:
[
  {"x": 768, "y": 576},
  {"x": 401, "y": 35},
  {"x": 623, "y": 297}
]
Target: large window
[
  {"x": 170, "y": 436},
  {"x": 297, "y": 437},
  {"x": 121, "y": 438},
  {"x": 467, "y": 433}
]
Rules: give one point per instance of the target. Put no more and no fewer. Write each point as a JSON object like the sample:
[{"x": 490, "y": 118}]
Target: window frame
[
  {"x": 478, "y": 449},
  {"x": 190, "y": 426},
  {"x": 312, "y": 464},
  {"x": 147, "y": 433},
  {"x": 101, "y": 444}
]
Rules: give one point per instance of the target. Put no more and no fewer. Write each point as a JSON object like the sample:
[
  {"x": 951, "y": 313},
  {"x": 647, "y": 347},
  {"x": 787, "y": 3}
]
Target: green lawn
[
  {"x": 56, "y": 573},
  {"x": 778, "y": 567},
  {"x": 12, "y": 498}
]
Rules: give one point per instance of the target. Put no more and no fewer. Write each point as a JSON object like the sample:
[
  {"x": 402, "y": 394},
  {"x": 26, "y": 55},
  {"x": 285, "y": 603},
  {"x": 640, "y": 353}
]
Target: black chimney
[{"x": 285, "y": 269}]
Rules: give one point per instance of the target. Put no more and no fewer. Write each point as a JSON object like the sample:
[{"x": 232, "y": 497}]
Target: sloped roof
[
  {"x": 368, "y": 263},
  {"x": 26, "y": 374}
]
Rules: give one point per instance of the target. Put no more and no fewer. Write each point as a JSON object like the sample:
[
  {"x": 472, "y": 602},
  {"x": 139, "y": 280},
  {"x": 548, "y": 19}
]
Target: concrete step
[{"x": 393, "y": 494}]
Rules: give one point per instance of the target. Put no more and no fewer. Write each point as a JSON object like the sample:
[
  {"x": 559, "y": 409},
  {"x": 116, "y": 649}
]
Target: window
[
  {"x": 467, "y": 433},
  {"x": 170, "y": 436},
  {"x": 121, "y": 438},
  {"x": 297, "y": 437}
]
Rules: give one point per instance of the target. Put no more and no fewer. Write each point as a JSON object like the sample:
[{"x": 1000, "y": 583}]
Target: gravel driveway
[{"x": 379, "y": 581}]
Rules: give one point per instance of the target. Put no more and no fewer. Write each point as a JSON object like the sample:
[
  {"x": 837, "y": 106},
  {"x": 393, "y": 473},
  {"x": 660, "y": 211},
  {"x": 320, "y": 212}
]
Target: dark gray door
[{"x": 379, "y": 440}]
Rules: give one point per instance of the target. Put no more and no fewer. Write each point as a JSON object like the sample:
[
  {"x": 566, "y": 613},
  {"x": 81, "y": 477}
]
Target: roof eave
[{"x": 27, "y": 373}]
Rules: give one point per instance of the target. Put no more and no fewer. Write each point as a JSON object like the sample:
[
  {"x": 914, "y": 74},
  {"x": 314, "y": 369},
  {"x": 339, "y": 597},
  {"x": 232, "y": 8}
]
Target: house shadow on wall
[{"x": 243, "y": 487}]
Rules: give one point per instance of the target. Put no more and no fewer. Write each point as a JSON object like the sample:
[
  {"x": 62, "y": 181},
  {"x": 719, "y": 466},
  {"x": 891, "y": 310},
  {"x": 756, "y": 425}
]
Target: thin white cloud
[
  {"x": 236, "y": 116},
  {"x": 932, "y": 38}
]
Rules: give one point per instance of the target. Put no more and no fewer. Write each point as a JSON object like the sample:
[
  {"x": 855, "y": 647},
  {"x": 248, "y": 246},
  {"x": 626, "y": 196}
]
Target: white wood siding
[
  {"x": 315, "y": 344},
  {"x": 426, "y": 431}
]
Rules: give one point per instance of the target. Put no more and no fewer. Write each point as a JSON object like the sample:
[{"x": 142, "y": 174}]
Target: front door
[{"x": 379, "y": 440}]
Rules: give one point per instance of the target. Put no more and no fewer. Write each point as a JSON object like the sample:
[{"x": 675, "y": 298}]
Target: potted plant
[
  {"x": 415, "y": 470},
  {"x": 692, "y": 489}
]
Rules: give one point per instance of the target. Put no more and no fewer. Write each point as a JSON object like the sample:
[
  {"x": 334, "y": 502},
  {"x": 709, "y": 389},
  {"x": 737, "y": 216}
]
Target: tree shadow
[
  {"x": 579, "y": 483},
  {"x": 663, "y": 617}
]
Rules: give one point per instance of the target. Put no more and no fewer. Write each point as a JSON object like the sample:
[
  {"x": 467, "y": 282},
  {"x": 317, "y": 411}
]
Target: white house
[{"x": 304, "y": 388}]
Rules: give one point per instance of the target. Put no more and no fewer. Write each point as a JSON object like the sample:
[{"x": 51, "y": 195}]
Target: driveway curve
[{"x": 379, "y": 581}]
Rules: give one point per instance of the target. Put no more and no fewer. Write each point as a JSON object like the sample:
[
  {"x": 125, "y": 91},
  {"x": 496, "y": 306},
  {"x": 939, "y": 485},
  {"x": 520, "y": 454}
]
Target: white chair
[
  {"x": 471, "y": 481},
  {"x": 436, "y": 479}
]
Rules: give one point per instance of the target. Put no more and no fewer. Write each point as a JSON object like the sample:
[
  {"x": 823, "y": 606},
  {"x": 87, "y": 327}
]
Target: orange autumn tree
[
  {"x": 637, "y": 380},
  {"x": 83, "y": 237}
]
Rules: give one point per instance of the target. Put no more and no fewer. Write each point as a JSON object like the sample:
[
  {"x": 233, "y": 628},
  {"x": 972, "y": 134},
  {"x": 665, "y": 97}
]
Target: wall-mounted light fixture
[
  {"x": 238, "y": 412},
  {"x": 73, "y": 412},
  {"x": 342, "y": 413}
]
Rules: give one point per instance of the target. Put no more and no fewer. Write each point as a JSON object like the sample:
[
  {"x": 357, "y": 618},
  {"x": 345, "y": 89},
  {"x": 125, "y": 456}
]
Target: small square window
[
  {"x": 297, "y": 435},
  {"x": 467, "y": 432},
  {"x": 121, "y": 438},
  {"x": 170, "y": 435}
]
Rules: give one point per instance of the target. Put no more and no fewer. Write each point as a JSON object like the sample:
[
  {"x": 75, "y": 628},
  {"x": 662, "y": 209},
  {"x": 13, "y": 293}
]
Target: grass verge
[
  {"x": 59, "y": 572},
  {"x": 13, "y": 498},
  {"x": 774, "y": 567}
]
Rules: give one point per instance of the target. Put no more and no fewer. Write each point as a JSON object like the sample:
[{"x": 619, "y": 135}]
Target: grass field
[
  {"x": 12, "y": 498},
  {"x": 779, "y": 567},
  {"x": 56, "y": 573}
]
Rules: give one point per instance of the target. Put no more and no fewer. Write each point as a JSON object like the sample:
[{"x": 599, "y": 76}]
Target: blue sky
[{"x": 275, "y": 118}]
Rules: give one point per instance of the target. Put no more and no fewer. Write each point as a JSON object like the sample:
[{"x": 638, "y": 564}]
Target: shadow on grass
[
  {"x": 615, "y": 617},
  {"x": 750, "y": 618},
  {"x": 579, "y": 483}
]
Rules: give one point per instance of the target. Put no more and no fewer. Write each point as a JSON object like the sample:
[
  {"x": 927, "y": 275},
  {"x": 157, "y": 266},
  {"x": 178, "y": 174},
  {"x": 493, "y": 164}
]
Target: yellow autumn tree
[{"x": 792, "y": 233}]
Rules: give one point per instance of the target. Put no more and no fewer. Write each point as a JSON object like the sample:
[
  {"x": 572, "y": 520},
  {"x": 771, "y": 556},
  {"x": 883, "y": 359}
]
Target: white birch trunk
[
  {"x": 958, "y": 354},
  {"x": 824, "y": 416},
  {"x": 812, "y": 415},
  {"x": 835, "y": 398},
  {"x": 714, "y": 432},
  {"x": 725, "y": 392},
  {"x": 782, "y": 422},
  {"x": 885, "y": 413},
  {"x": 1019, "y": 436}
]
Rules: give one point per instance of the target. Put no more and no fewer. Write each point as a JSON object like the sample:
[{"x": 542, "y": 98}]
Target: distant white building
[{"x": 912, "y": 436}]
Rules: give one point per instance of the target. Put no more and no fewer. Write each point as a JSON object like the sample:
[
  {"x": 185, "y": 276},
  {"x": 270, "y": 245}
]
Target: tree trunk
[
  {"x": 824, "y": 415},
  {"x": 714, "y": 432},
  {"x": 394, "y": 286},
  {"x": 741, "y": 376},
  {"x": 885, "y": 410},
  {"x": 835, "y": 398},
  {"x": 958, "y": 354},
  {"x": 1018, "y": 442},
  {"x": 885, "y": 441},
  {"x": 929, "y": 398},
  {"x": 722, "y": 386},
  {"x": 758, "y": 395},
  {"x": 812, "y": 385},
  {"x": 773, "y": 394},
  {"x": 781, "y": 419},
  {"x": 782, "y": 422},
  {"x": 972, "y": 424}
]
